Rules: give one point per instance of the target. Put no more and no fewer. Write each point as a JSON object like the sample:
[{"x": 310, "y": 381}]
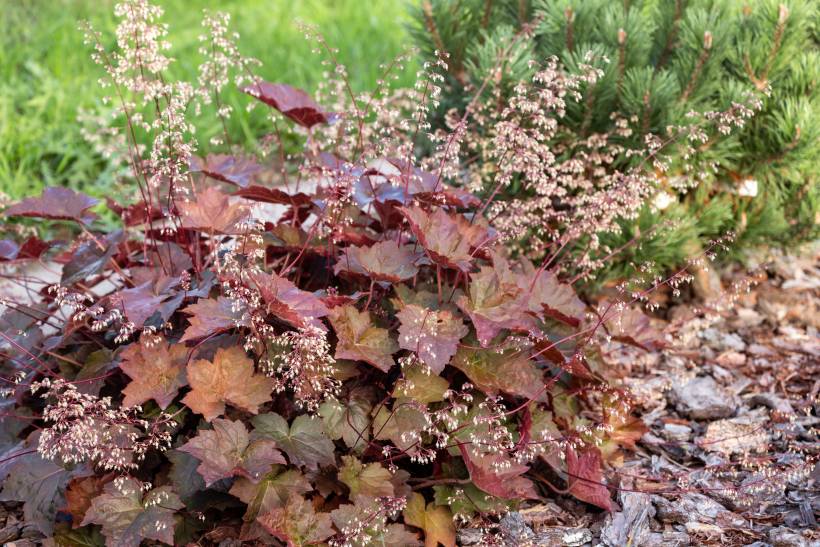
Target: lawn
[{"x": 47, "y": 76}]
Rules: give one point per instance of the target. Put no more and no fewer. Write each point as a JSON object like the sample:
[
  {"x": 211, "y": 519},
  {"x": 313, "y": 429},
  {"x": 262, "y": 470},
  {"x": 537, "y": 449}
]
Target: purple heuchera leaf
[
  {"x": 497, "y": 474},
  {"x": 127, "y": 517},
  {"x": 494, "y": 302},
  {"x": 289, "y": 303},
  {"x": 238, "y": 170},
  {"x": 385, "y": 261},
  {"x": 441, "y": 236},
  {"x": 433, "y": 335},
  {"x": 290, "y": 101},
  {"x": 227, "y": 451},
  {"x": 585, "y": 480},
  {"x": 56, "y": 203}
]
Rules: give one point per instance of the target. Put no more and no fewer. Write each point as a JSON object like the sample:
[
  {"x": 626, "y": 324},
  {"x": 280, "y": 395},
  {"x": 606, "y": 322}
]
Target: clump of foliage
[
  {"x": 660, "y": 67},
  {"x": 326, "y": 347}
]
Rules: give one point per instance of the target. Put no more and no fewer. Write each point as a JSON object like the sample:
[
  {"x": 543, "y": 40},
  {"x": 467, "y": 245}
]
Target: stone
[
  {"x": 746, "y": 433},
  {"x": 701, "y": 398},
  {"x": 677, "y": 432},
  {"x": 689, "y": 507},
  {"x": 784, "y": 537}
]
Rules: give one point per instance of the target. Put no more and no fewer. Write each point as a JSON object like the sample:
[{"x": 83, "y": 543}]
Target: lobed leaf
[
  {"x": 56, "y": 203},
  {"x": 156, "y": 369},
  {"x": 230, "y": 378}
]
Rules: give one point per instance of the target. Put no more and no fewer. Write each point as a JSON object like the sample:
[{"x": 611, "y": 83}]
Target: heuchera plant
[{"x": 323, "y": 347}]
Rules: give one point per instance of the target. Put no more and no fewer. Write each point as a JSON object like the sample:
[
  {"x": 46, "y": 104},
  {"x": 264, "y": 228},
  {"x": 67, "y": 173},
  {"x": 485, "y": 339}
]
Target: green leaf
[
  {"x": 403, "y": 425},
  {"x": 272, "y": 492},
  {"x": 304, "y": 441},
  {"x": 467, "y": 500},
  {"x": 365, "y": 479},
  {"x": 421, "y": 386},
  {"x": 348, "y": 420},
  {"x": 127, "y": 517},
  {"x": 350, "y": 517}
]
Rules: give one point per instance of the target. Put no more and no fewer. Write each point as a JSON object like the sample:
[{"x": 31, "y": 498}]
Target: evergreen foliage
[{"x": 662, "y": 60}]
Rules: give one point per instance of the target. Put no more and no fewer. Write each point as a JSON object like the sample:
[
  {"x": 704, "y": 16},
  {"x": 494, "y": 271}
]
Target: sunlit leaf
[
  {"x": 433, "y": 335},
  {"x": 212, "y": 212},
  {"x": 435, "y": 520},
  {"x": 360, "y": 340},
  {"x": 156, "y": 369},
  {"x": 508, "y": 370},
  {"x": 230, "y": 378},
  {"x": 290, "y": 101},
  {"x": 384, "y": 261},
  {"x": 369, "y": 479},
  {"x": 297, "y": 523}
]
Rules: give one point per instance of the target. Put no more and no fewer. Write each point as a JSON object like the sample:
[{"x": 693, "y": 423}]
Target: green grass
[{"x": 47, "y": 76}]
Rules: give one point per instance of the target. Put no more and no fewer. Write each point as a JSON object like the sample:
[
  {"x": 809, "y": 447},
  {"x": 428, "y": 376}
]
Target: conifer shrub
[
  {"x": 660, "y": 66},
  {"x": 325, "y": 346}
]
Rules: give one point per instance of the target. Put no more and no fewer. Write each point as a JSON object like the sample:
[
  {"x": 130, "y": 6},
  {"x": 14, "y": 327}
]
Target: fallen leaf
[
  {"x": 230, "y": 379},
  {"x": 631, "y": 326},
  {"x": 156, "y": 369},
  {"x": 433, "y": 335},
  {"x": 227, "y": 451},
  {"x": 57, "y": 203},
  {"x": 360, "y": 340}
]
